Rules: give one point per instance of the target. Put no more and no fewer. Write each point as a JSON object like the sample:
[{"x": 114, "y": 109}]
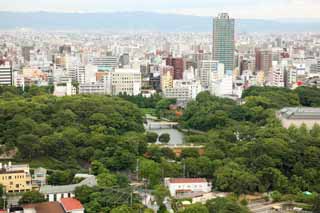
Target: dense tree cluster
[
  {"x": 73, "y": 129},
  {"x": 219, "y": 205},
  {"x": 247, "y": 149},
  {"x": 282, "y": 97},
  {"x": 31, "y": 197},
  {"x": 155, "y": 105}
]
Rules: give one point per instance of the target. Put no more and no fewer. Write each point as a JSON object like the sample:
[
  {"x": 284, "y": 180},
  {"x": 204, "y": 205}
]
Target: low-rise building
[
  {"x": 183, "y": 90},
  {"x": 15, "y": 178},
  {"x": 66, "y": 205},
  {"x": 182, "y": 186},
  {"x": 45, "y": 207},
  {"x": 56, "y": 193},
  {"x": 298, "y": 116},
  {"x": 39, "y": 177}
]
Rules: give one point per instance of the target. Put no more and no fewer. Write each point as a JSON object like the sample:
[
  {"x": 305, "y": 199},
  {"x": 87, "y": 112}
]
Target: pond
[{"x": 176, "y": 137}]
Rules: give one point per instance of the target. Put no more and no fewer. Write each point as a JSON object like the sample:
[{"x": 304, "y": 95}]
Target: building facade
[
  {"x": 15, "y": 178},
  {"x": 126, "y": 81},
  {"x": 263, "y": 61},
  {"x": 223, "y": 40},
  {"x": 178, "y": 67},
  {"x": 180, "y": 186},
  {"x": 210, "y": 71},
  {"x": 298, "y": 116},
  {"x": 6, "y": 75}
]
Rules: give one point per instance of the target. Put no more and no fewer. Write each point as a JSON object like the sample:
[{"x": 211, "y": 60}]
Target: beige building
[
  {"x": 126, "y": 81},
  {"x": 15, "y": 178},
  {"x": 297, "y": 116},
  {"x": 167, "y": 78}
]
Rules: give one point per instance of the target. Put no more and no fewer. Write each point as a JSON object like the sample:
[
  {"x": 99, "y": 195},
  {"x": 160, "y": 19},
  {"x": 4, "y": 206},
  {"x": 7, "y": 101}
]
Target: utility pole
[{"x": 137, "y": 169}]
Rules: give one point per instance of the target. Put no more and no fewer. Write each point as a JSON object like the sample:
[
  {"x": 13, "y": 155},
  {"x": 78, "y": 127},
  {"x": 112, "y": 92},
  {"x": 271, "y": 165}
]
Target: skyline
[{"x": 236, "y": 8}]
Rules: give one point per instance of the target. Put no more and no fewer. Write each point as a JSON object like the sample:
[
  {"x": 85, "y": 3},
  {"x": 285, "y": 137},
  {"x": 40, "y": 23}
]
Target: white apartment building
[
  {"x": 183, "y": 186},
  {"x": 210, "y": 71},
  {"x": 64, "y": 89},
  {"x": 183, "y": 90},
  {"x": 6, "y": 76},
  {"x": 223, "y": 87},
  {"x": 83, "y": 74},
  {"x": 277, "y": 75}
]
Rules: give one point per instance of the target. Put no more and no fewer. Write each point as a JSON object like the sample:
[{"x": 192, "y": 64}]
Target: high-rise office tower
[
  {"x": 223, "y": 41},
  {"x": 263, "y": 61}
]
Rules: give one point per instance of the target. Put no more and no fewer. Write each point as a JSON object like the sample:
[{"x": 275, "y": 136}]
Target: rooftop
[
  {"x": 300, "y": 113},
  {"x": 47, "y": 207},
  {"x": 49, "y": 189},
  {"x": 71, "y": 204},
  {"x": 133, "y": 71},
  {"x": 188, "y": 180},
  {"x": 4, "y": 171}
]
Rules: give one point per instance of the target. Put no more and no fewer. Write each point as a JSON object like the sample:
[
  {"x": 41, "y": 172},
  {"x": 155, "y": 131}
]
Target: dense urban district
[{"x": 159, "y": 122}]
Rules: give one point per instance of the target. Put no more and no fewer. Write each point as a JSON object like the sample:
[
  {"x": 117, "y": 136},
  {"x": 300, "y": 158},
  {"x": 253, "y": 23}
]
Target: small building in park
[{"x": 187, "y": 186}]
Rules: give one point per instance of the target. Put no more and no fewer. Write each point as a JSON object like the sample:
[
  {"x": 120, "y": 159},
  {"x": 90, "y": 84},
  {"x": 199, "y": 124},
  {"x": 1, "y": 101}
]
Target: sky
[{"x": 262, "y": 9}]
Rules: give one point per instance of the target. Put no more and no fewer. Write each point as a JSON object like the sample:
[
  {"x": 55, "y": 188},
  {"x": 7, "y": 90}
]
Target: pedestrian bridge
[{"x": 161, "y": 125}]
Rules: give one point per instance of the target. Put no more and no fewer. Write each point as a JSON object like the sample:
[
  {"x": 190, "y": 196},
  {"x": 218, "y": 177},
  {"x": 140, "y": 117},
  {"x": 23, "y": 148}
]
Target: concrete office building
[
  {"x": 126, "y": 81},
  {"x": 105, "y": 62},
  {"x": 210, "y": 71},
  {"x": 223, "y": 40}
]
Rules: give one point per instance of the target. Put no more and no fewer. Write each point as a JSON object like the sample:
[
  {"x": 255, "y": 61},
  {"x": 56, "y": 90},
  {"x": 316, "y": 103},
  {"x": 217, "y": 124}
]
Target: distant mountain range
[{"x": 144, "y": 21}]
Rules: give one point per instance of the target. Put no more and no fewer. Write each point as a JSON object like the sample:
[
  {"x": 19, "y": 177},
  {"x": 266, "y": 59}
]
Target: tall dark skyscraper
[
  {"x": 223, "y": 40},
  {"x": 178, "y": 67},
  {"x": 26, "y": 53},
  {"x": 263, "y": 61}
]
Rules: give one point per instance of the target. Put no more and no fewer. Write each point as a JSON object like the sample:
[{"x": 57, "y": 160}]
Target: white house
[{"x": 181, "y": 186}]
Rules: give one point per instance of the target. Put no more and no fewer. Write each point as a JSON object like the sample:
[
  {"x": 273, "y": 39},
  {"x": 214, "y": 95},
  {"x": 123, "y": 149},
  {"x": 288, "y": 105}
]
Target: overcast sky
[{"x": 269, "y": 9}]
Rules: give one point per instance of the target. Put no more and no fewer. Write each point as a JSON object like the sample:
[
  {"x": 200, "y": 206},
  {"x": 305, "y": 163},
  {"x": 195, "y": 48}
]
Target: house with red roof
[
  {"x": 71, "y": 205},
  {"x": 187, "y": 186}
]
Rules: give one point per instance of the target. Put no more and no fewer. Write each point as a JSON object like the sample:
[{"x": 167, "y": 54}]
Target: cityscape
[{"x": 163, "y": 109}]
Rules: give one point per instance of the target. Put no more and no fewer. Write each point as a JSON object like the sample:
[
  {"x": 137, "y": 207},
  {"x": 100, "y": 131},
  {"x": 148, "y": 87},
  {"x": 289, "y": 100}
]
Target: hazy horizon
[{"x": 255, "y": 9}]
